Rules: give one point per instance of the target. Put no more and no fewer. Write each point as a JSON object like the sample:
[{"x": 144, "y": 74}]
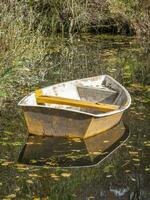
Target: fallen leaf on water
[
  {"x": 11, "y": 196},
  {"x": 33, "y": 175},
  {"x": 46, "y": 167},
  {"x": 52, "y": 163},
  {"x": 108, "y": 176},
  {"x": 6, "y": 163},
  {"x": 33, "y": 161},
  {"x": 133, "y": 179},
  {"x": 136, "y": 164},
  {"x": 128, "y": 146},
  {"x": 29, "y": 181},
  {"x": 106, "y": 141},
  {"x": 133, "y": 153},
  {"x": 147, "y": 145},
  {"x": 17, "y": 189},
  {"x": 147, "y": 169},
  {"x": 65, "y": 174},
  {"x": 128, "y": 170},
  {"x": 22, "y": 167},
  {"x": 136, "y": 159},
  {"x": 91, "y": 198},
  {"x": 54, "y": 176},
  {"x": 96, "y": 153}
]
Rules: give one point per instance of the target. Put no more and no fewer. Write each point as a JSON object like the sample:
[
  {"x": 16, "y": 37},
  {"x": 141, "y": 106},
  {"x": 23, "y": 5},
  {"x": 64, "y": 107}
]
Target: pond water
[
  {"x": 65, "y": 152},
  {"x": 125, "y": 174}
]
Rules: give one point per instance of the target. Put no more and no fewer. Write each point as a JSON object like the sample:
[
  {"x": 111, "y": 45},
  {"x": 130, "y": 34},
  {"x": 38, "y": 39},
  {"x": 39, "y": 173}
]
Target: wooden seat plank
[{"x": 73, "y": 102}]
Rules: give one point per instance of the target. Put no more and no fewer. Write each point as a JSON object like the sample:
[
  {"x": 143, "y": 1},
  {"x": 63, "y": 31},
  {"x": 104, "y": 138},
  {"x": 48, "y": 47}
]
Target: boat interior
[{"x": 99, "y": 89}]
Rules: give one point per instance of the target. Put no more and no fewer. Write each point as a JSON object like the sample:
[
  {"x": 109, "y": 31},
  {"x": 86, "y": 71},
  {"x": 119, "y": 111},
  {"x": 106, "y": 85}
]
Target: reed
[
  {"x": 28, "y": 38},
  {"x": 69, "y": 16}
]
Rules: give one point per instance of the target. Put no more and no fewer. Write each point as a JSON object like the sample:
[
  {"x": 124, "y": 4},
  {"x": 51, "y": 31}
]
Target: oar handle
[{"x": 73, "y": 102}]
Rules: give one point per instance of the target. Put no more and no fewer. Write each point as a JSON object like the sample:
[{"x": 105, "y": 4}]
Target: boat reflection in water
[{"x": 64, "y": 152}]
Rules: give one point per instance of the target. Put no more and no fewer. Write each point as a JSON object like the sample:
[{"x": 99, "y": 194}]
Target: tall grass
[
  {"x": 136, "y": 12},
  {"x": 28, "y": 30},
  {"x": 67, "y": 16}
]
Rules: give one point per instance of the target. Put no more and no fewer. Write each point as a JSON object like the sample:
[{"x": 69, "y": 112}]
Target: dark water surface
[
  {"x": 125, "y": 174},
  {"x": 65, "y": 152}
]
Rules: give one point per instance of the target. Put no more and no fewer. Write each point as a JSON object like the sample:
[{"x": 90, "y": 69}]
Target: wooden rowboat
[{"x": 79, "y": 108}]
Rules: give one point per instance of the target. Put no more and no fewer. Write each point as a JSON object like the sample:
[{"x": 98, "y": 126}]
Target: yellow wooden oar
[{"x": 40, "y": 99}]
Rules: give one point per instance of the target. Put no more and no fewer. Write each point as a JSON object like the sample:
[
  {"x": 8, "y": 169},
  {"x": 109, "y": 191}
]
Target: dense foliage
[
  {"x": 28, "y": 39},
  {"x": 50, "y": 16}
]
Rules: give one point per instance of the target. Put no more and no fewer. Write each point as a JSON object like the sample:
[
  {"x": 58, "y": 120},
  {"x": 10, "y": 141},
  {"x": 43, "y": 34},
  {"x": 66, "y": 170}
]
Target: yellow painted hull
[{"x": 41, "y": 121}]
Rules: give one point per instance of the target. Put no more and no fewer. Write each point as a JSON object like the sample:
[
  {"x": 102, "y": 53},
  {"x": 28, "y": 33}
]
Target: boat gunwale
[{"x": 83, "y": 112}]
